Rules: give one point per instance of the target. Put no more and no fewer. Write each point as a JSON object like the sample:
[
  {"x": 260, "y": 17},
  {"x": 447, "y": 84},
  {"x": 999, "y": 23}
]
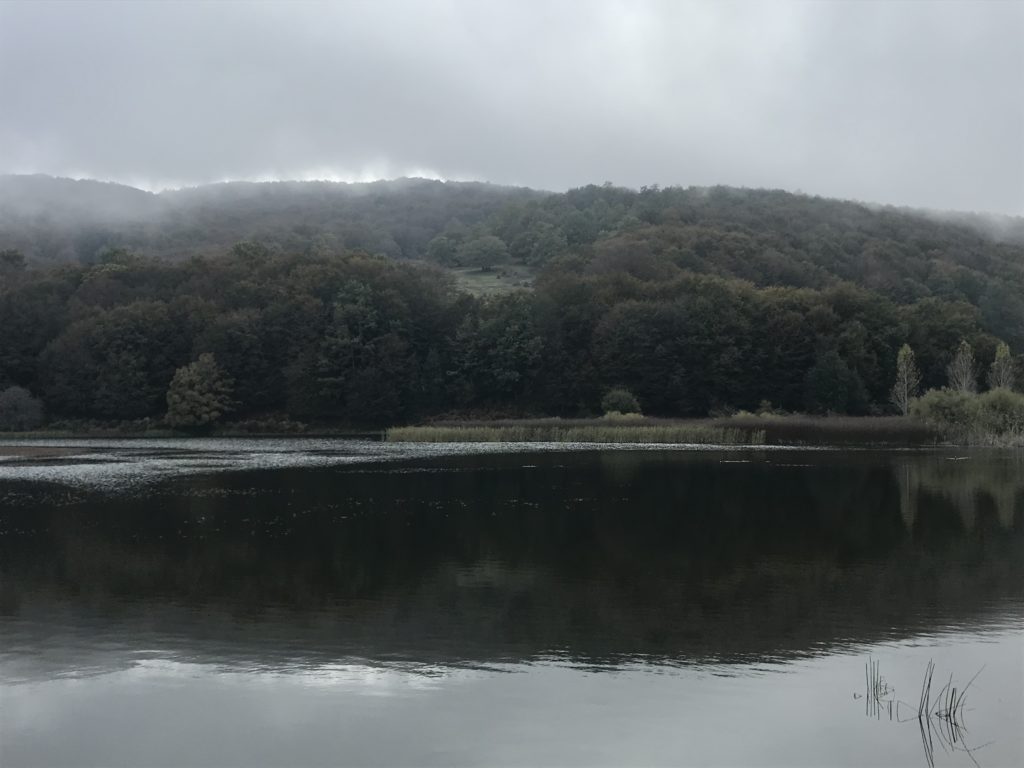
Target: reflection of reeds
[
  {"x": 948, "y": 703},
  {"x": 940, "y": 717},
  {"x": 943, "y": 717}
]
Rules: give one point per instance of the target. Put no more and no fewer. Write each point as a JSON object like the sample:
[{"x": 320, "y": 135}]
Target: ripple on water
[{"x": 123, "y": 465}]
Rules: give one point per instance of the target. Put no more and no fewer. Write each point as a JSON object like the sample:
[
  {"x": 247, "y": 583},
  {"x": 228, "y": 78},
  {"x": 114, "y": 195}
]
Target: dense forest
[{"x": 337, "y": 304}]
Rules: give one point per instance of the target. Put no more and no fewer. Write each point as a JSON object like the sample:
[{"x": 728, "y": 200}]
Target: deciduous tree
[
  {"x": 19, "y": 410},
  {"x": 908, "y": 379},
  {"x": 1001, "y": 372},
  {"x": 619, "y": 400},
  {"x": 199, "y": 395},
  {"x": 961, "y": 371}
]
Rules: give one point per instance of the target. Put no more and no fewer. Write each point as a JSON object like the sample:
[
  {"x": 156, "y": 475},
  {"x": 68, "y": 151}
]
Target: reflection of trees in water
[
  {"x": 668, "y": 556},
  {"x": 982, "y": 489}
]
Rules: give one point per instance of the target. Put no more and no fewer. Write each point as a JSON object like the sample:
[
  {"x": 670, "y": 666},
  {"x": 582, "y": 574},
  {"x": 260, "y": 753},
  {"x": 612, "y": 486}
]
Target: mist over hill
[
  {"x": 767, "y": 237},
  {"x": 54, "y": 220}
]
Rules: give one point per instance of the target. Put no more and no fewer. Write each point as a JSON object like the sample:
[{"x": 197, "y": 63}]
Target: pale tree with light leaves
[
  {"x": 1000, "y": 374},
  {"x": 962, "y": 374},
  {"x": 908, "y": 379}
]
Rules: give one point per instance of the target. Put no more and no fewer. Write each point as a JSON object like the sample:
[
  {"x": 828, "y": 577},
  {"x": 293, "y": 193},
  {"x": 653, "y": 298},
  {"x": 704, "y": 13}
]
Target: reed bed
[
  {"x": 554, "y": 432},
  {"x": 941, "y": 717},
  {"x": 634, "y": 428}
]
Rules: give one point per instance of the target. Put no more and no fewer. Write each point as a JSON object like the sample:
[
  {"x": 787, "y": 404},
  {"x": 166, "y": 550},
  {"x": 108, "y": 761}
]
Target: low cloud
[{"x": 905, "y": 103}]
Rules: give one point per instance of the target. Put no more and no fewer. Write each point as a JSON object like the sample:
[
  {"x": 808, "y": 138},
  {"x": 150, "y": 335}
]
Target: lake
[{"x": 330, "y": 602}]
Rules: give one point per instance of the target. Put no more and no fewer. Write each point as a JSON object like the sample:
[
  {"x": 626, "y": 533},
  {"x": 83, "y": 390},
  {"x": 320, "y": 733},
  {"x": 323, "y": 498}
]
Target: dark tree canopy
[{"x": 19, "y": 410}]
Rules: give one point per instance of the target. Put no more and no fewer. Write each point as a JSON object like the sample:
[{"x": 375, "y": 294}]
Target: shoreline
[
  {"x": 795, "y": 430},
  {"x": 753, "y": 430}
]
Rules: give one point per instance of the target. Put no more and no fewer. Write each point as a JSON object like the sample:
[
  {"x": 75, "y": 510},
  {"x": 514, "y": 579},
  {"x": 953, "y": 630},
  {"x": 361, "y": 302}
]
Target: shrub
[
  {"x": 1001, "y": 412},
  {"x": 199, "y": 395},
  {"x": 617, "y": 417},
  {"x": 19, "y": 410},
  {"x": 620, "y": 400},
  {"x": 949, "y": 410},
  {"x": 994, "y": 418}
]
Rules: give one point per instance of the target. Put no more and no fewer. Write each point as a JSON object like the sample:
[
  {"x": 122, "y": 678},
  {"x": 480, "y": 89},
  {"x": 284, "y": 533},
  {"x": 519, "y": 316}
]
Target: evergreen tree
[{"x": 199, "y": 395}]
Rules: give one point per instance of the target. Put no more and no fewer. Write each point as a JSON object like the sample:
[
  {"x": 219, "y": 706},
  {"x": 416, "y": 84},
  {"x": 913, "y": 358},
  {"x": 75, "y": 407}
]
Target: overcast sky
[{"x": 897, "y": 102}]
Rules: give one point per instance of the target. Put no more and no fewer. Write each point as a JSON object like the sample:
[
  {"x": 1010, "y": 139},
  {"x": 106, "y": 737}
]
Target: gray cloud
[{"x": 907, "y": 103}]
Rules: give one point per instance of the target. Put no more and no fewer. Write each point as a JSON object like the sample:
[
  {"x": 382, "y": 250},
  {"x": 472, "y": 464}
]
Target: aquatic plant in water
[{"x": 940, "y": 716}]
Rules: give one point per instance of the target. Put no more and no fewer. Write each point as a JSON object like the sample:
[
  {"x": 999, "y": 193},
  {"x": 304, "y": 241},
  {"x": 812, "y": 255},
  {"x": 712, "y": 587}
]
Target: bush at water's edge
[{"x": 993, "y": 418}]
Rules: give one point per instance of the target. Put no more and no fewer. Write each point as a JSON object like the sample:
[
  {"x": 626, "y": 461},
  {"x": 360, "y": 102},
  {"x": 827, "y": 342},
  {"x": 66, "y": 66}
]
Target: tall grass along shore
[
  {"x": 553, "y": 432},
  {"x": 746, "y": 430}
]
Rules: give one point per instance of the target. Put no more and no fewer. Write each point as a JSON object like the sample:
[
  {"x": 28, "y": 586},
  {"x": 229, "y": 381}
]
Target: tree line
[{"x": 349, "y": 338}]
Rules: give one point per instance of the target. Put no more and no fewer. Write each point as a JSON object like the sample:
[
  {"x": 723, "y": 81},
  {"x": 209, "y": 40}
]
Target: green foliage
[
  {"x": 1001, "y": 373},
  {"x": 908, "y": 379},
  {"x": 499, "y": 351},
  {"x": 1001, "y": 412},
  {"x": 832, "y": 387},
  {"x": 993, "y": 418},
  {"x": 116, "y": 363},
  {"x": 963, "y": 376},
  {"x": 627, "y": 417},
  {"x": 696, "y": 301},
  {"x": 486, "y": 251},
  {"x": 945, "y": 408},
  {"x": 200, "y": 394},
  {"x": 619, "y": 400},
  {"x": 766, "y": 237},
  {"x": 19, "y": 411}
]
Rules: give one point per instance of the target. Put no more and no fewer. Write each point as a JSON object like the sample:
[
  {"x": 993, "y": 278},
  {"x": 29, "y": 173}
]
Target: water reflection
[
  {"x": 982, "y": 489},
  {"x": 570, "y": 608},
  {"x": 939, "y": 711},
  {"x": 601, "y": 559}
]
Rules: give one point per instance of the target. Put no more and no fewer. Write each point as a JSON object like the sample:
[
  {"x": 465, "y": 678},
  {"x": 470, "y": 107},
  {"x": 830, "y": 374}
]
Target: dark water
[{"x": 352, "y": 604}]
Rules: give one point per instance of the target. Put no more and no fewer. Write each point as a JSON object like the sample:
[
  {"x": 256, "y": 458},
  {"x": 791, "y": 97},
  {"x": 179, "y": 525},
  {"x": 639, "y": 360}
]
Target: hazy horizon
[
  {"x": 911, "y": 105},
  {"x": 161, "y": 190}
]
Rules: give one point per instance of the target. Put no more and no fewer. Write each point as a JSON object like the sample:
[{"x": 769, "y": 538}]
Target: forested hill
[
  {"x": 770, "y": 238},
  {"x": 333, "y": 307}
]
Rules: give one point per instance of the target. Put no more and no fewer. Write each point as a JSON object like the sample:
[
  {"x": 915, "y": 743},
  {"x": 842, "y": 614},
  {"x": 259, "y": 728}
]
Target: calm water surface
[{"x": 303, "y": 602}]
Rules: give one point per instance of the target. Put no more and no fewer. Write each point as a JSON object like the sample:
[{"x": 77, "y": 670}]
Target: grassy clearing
[
  {"x": 493, "y": 281},
  {"x": 569, "y": 432}
]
